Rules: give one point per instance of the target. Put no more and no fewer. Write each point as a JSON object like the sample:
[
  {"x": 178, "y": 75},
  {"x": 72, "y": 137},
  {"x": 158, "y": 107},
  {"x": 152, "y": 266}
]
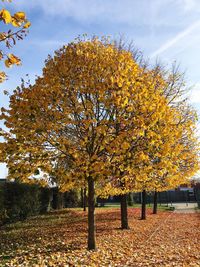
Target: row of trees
[{"x": 100, "y": 118}]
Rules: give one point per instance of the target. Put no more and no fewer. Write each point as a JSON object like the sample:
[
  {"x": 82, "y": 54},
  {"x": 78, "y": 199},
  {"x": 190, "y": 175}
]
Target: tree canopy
[{"x": 97, "y": 116}]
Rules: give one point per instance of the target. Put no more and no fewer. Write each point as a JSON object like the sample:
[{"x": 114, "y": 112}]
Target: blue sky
[{"x": 164, "y": 29}]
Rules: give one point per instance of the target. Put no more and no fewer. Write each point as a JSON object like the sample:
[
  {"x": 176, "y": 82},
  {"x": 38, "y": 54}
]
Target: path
[
  {"x": 175, "y": 243},
  {"x": 185, "y": 207}
]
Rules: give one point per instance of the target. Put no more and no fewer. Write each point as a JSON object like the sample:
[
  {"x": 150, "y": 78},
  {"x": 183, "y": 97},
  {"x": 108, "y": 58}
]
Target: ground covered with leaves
[{"x": 60, "y": 239}]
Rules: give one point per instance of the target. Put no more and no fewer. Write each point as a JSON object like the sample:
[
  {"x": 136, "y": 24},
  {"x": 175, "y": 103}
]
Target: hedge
[{"x": 19, "y": 200}]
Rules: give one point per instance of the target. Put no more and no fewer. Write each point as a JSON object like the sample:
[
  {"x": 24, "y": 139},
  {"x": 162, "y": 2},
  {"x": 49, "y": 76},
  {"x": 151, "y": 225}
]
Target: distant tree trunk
[
  {"x": 60, "y": 203},
  {"x": 155, "y": 202},
  {"x": 130, "y": 199},
  {"x": 83, "y": 198},
  {"x": 58, "y": 199},
  {"x": 143, "y": 213},
  {"x": 91, "y": 216},
  {"x": 50, "y": 199},
  {"x": 124, "y": 212}
]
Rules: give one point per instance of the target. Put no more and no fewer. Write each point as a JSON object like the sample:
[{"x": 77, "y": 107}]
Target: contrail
[{"x": 176, "y": 39}]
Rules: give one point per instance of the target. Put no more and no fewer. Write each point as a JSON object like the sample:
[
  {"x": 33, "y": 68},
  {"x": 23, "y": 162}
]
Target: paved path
[{"x": 185, "y": 208}]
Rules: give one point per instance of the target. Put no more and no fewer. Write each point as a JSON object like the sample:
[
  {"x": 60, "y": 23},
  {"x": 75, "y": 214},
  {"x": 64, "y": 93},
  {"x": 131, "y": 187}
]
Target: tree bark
[
  {"x": 124, "y": 212},
  {"x": 155, "y": 202},
  {"x": 143, "y": 213},
  {"x": 50, "y": 199},
  {"x": 91, "y": 216},
  {"x": 60, "y": 200},
  {"x": 83, "y": 198}
]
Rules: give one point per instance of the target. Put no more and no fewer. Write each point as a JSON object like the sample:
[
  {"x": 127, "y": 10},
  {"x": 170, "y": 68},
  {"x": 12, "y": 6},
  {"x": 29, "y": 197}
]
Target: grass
[{"x": 163, "y": 207}]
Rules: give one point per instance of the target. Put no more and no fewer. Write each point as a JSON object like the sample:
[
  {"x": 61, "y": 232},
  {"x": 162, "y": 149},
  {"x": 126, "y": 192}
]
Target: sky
[{"x": 164, "y": 30}]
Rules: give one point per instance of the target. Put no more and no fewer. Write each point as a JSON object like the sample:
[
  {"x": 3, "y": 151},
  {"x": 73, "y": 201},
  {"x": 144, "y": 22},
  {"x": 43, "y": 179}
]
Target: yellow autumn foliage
[
  {"x": 9, "y": 38},
  {"x": 96, "y": 113}
]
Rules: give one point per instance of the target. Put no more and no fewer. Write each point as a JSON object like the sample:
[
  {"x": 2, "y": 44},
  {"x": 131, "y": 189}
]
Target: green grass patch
[{"x": 161, "y": 207}]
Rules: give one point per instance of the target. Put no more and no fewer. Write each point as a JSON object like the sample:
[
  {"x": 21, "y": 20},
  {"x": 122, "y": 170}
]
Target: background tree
[
  {"x": 145, "y": 114},
  {"x": 158, "y": 154},
  {"x": 176, "y": 92}
]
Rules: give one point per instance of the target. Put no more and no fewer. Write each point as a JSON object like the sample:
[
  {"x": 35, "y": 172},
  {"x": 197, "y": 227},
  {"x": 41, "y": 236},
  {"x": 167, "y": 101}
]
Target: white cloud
[
  {"x": 195, "y": 94},
  {"x": 127, "y": 11},
  {"x": 79, "y": 9},
  {"x": 176, "y": 39},
  {"x": 189, "y": 5}
]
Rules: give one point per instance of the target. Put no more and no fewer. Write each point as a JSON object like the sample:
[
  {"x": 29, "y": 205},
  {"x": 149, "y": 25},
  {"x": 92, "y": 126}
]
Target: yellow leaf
[
  {"x": 2, "y": 76},
  {"x": 27, "y": 25},
  {"x": 20, "y": 15},
  {"x": 16, "y": 23},
  {"x": 14, "y": 60},
  {"x": 11, "y": 60},
  {"x": 8, "y": 63},
  {"x": 2, "y": 36},
  {"x": 125, "y": 145},
  {"x": 5, "y": 16}
]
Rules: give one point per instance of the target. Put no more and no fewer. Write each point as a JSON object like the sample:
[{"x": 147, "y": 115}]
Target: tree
[
  {"x": 9, "y": 37},
  {"x": 174, "y": 160},
  {"x": 135, "y": 164},
  {"x": 92, "y": 118},
  {"x": 176, "y": 95},
  {"x": 168, "y": 146},
  {"x": 155, "y": 202},
  {"x": 91, "y": 101}
]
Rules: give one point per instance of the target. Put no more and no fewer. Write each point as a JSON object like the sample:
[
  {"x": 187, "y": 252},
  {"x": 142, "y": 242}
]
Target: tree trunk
[
  {"x": 50, "y": 199},
  {"x": 155, "y": 202},
  {"x": 60, "y": 200},
  {"x": 91, "y": 217},
  {"x": 83, "y": 198},
  {"x": 143, "y": 215},
  {"x": 124, "y": 212}
]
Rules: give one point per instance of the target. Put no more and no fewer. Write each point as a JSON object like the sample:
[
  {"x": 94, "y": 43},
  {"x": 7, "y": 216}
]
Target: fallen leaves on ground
[{"x": 60, "y": 239}]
